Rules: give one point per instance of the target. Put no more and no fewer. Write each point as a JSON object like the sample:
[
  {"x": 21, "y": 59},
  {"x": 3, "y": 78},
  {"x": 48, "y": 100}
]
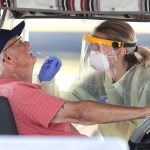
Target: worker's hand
[{"x": 49, "y": 69}]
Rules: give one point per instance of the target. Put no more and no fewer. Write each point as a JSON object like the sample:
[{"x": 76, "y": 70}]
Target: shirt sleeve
[{"x": 35, "y": 104}]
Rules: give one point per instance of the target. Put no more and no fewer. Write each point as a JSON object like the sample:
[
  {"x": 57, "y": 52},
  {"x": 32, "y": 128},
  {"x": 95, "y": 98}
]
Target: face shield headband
[{"x": 114, "y": 44}]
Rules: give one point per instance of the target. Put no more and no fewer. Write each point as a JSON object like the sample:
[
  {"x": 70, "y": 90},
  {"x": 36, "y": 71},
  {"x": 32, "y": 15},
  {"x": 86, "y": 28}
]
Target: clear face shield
[{"x": 98, "y": 57}]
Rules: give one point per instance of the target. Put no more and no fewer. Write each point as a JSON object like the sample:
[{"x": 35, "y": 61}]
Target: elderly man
[{"x": 35, "y": 111}]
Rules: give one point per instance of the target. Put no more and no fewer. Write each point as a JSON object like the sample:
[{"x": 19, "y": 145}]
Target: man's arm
[{"x": 90, "y": 112}]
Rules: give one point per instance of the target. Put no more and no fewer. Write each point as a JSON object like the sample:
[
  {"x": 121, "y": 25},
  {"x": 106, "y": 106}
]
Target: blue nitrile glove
[
  {"x": 103, "y": 100},
  {"x": 49, "y": 69}
]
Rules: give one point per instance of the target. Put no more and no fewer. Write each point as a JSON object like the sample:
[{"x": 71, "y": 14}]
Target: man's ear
[
  {"x": 121, "y": 52},
  {"x": 6, "y": 57}
]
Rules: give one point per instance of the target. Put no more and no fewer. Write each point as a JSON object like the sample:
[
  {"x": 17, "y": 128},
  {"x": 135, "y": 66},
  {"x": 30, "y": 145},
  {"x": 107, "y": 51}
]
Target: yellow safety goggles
[{"x": 114, "y": 44}]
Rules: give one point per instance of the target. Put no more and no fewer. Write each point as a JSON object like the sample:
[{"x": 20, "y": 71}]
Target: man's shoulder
[
  {"x": 18, "y": 83},
  {"x": 28, "y": 84}
]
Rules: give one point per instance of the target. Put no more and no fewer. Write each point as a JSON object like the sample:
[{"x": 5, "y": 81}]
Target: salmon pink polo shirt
[{"x": 34, "y": 109}]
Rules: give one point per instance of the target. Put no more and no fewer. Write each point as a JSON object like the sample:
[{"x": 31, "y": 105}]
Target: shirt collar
[{"x": 7, "y": 80}]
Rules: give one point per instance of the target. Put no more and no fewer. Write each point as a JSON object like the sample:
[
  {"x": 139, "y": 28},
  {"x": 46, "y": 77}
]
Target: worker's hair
[{"x": 121, "y": 31}]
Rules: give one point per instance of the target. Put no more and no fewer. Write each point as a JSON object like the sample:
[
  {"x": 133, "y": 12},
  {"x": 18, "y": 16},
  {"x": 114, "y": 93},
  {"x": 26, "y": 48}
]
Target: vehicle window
[{"x": 63, "y": 38}]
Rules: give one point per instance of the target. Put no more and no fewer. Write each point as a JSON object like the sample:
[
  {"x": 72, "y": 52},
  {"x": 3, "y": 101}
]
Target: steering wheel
[{"x": 140, "y": 139}]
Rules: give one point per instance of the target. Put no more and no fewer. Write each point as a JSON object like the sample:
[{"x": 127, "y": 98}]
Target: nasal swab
[{"x": 42, "y": 55}]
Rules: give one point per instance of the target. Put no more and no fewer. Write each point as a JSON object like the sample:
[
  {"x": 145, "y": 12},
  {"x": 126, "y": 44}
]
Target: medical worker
[{"x": 115, "y": 70}]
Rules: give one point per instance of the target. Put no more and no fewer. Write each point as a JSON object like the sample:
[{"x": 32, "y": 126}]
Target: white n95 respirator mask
[{"x": 98, "y": 61}]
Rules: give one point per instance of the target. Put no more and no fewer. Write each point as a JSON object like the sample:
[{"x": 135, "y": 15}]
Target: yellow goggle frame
[{"x": 114, "y": 44}]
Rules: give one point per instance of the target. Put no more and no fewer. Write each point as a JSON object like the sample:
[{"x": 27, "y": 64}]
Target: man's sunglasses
[{"x": 20, "y": 38}]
